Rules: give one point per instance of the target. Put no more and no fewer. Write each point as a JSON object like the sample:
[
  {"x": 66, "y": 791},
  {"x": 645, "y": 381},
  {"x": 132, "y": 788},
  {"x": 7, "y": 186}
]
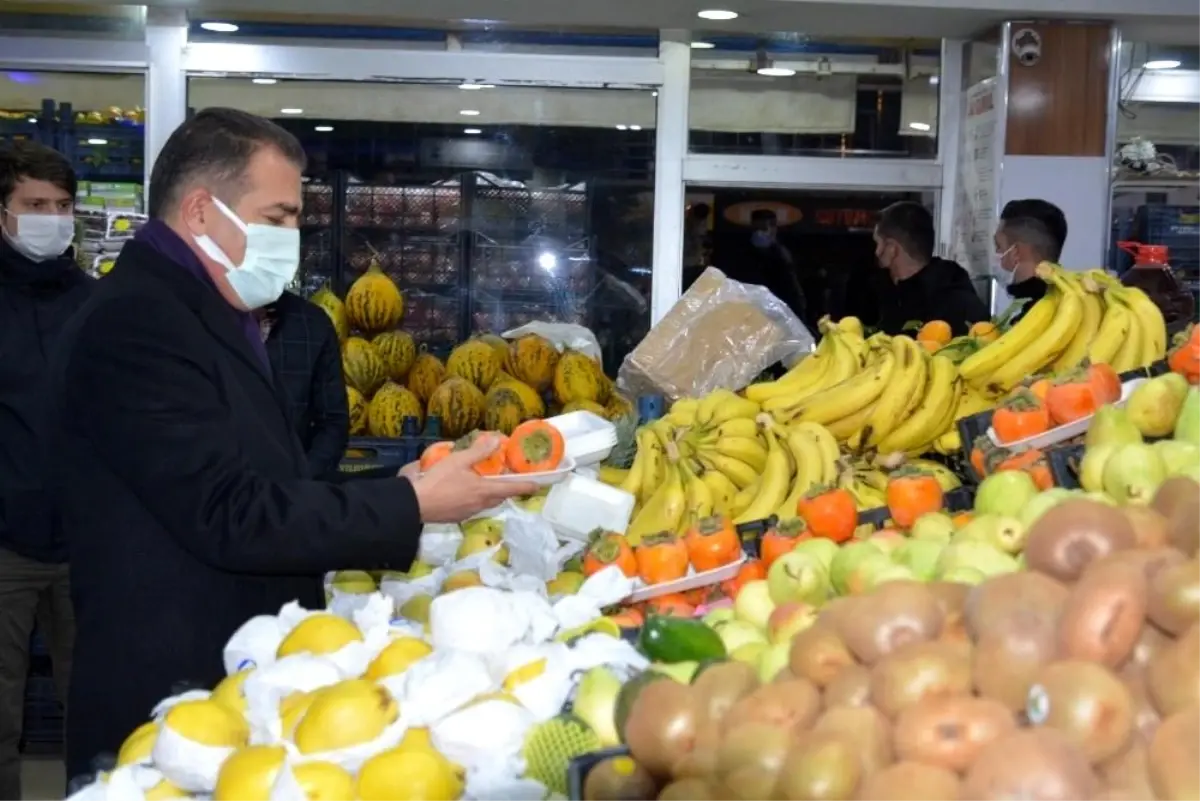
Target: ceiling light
[
  {"x": 469, "y": 112},
  {"x": 776, "y": 72},
  {"x": 472, "y": 131},
  {"x": 654, "y": 93},
  {"x": 219, "y": 27},
  {"x": 622, "y": 127},
  {"x": 703, "y": 45},
  {"x": 1161, "y": 64},
  {"x": 547, "y": 261},
  {"x": 719, "y": 15},
  {"x": 635, "y": 127},
  {"x": 323, "y": 128},
  {"x": 97, "y": 141},
  {"x": 469, "y": 85},
  {"x": 291, "y": 111},
  {"x": 265, "y": 81},
  {"x": 33, "y": 120},
  {"x": 919, "y": 126},
  {"x": 934, "y": 80}
]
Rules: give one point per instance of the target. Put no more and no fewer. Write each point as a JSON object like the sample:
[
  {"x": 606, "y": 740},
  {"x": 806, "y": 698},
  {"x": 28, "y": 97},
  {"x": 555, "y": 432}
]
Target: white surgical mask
[
  {"x": 270, "y": 264},
  {"x": 1003, "y": 275},
  {"x": 41, "y": 237}
]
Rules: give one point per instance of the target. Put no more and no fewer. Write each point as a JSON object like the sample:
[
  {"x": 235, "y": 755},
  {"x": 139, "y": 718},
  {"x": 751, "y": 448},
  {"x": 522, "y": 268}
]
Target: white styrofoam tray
[
  {"x": 690, "y": 582},
  {"x": 588, "y": 438},
  {"x": 1064, "y": 432},
  {"x": 541, "y": 479},
  {"x": 580, "y": 505}
]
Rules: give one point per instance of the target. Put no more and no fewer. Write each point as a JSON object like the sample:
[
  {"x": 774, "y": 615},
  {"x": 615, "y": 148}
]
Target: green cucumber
[{"x": 674, "y": 639}]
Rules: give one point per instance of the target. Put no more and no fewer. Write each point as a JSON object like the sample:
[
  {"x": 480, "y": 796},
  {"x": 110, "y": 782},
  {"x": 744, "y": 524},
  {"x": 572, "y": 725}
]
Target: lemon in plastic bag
[
  {"x": 139, "y": 746},
  {"x": 320, "y": 633},
  {"x": 409, "y": 774},
  {"x": 230, "y": 691},
  {"x": 249, "y": 773},
  {"x": 397, "y": 656},
  {"x": 324, "y": 781},
  {"x": 344, "y": 715},
  {"x": 195, "y": 739}
]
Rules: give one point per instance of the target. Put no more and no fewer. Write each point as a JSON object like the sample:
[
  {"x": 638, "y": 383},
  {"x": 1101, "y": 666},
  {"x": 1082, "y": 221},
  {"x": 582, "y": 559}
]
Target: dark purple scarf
[{"x": 158, "y": 235}]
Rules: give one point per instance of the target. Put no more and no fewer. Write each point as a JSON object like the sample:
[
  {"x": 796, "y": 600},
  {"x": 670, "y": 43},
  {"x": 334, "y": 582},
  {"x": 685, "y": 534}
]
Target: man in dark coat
[
  {"x": 307, "y": 359},
  {"x": 40, "y": 288},
  {"x": 186, "y": 496},
  {"x": 923, "y": 287},
  {"x": 1030, "y": 232}
]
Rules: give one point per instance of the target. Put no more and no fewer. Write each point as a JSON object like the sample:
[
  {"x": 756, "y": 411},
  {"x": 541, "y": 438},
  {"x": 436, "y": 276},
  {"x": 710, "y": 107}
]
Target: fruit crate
[
  {"x": 412, "y": 262},
  {"x": 517, "y": 213},
  {"x": 42, "y": 729},
  {"x": 372, "y": 453},
  {"x": 433, "y": 320},
  {"x": 580, "y": 766},
  {"x": 1064, "y": 465},
  {"x": 411, "y": 209},
  {"x": 490, "y": 313}
]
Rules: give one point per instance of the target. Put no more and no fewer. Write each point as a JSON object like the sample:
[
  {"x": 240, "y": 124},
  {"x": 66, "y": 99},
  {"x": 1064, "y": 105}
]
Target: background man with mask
[
  {"x": 1030, "y": 232},
  {"x": 40, "y": 288},
  {"x": 923, "y": 287},
  {"x": 186, "y": 500},
  {"x": 766, "y": 262}
]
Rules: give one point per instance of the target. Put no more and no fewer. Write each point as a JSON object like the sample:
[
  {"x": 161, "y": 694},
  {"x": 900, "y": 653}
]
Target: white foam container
[
  {"x": 588, "y": 438},
  {"x": 691, "y": 582},
  {"x": 1065, "y": 432},
  {"x": 541, "y": 479},
  {"x": 580, "y": 505}
]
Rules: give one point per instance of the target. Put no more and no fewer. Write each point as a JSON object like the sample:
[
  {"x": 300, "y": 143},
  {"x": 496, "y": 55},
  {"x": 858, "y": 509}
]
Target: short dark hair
[
  {"x": 700, "y": 211},
  {"x": 216, "y": 143},
  {"x": 22, "y": 160},
  {"x": 911, "y": 225},
  {"x": 763, "y": 216},
  {"x": 1038, "y": 223}
]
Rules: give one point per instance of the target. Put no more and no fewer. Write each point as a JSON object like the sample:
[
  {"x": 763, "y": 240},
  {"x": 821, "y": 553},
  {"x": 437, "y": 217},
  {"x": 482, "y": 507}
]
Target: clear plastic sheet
[{"x": 721, "y": 333}]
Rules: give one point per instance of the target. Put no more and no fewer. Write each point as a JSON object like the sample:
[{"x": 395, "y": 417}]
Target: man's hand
[{"x": 452, "y": 491}]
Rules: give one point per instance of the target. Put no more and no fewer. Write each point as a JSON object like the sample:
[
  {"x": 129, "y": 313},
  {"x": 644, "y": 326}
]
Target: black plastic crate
[
  {"x": 1064, "y": 465},
  {"x": 370, "y": 453},
  {"x": 42, "y": 730},
  {"x": 580, "y": 766},
  {"x": 410, "y": 209},
  {"x": 1155, "y": 223}
]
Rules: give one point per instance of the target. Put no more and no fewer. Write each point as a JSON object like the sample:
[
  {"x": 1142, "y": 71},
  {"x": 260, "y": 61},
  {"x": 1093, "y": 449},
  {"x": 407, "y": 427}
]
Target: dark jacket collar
[
  {"x": 1032, "y": 288},
  {"x": 19, "y": 271}
]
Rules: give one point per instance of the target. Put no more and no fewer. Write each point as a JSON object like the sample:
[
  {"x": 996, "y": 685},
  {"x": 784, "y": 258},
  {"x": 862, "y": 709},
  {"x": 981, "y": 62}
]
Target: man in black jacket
[
  {"x": 924, "y": 288},
  {"x": 307, "y": 359},
  {"x": 186, "y": 498},
  {"x": 40, "y": 288},
  {"x": 1030, "y": 232}
]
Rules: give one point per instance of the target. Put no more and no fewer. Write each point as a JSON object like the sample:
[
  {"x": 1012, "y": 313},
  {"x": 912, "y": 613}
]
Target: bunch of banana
[
  {"x": 1136, "y": 334},
  {"x": 970, "y": 401},
  {"x": 839, "y": 356}
]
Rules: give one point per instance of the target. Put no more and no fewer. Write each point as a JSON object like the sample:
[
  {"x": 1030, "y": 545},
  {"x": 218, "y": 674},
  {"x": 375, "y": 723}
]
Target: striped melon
[
  {"x": 577, "y": 377},
  {"x": 532, "y": 359},
  {"x": 332, "y": 305},
  {"x": 374, "y": 302},
  {"x": 476, "y": 361},
  {"x": 459, "y": 404},
  {"x": 426, "y": 374},
  {"x": 585, "y": 406},
  {"x": 362, "y": 366},
  {"x": 499, "y": 344},
  {"x": 398, "y": 352},
  {"x": 503, "y": 410},
  {"x": 389, "y": 408},
  {"x": 618, "y": 406},
  {"x": 531, "y": 401},
  {"x": 356, "y": 404}
]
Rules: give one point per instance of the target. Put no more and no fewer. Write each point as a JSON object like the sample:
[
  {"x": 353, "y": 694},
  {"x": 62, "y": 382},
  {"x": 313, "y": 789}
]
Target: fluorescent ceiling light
[
  {"x": 472, "y": 131},
  {"x": 1161, "y": 64},
  {"x": 219, "y": 27},
  {"x": 934, "y": 80},
  {"x": 323, "y": 128},
  {"x": 703, "y": 45},
  {"x": 635, "y": 127},
  {"x": 776, "y": 72},
  {"x": 33, "y": 120},
  {"x": 469, "y": 85},
  {"x": 97, "y": 141},
  {"x": 469, "y": 112},
  {"x": 919, "y": 126},
  {"x": 265, "y": 81},
  {"x": 654, "y": 93},
  {"x": 622, "y": 127},
  {"x": 291, "y": 111},
  {"x": 717, "y": 14}
]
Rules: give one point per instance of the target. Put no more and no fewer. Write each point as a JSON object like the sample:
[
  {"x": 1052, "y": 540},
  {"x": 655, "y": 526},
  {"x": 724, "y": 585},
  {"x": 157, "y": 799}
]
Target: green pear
[
  {"x": 847, "y": 560},
  {"x": 1187, "y": 427},
  {"x": 964, "y": 575},
  {"x": 1132, "y": 474},
  {"x": 1091, "y": 468},
  {"x": 1043, "y": 503},
  {"x": 920, "y": 556},
  {"x": 933, "y": 527},
  {"x": 1154, "y": 406},
  {"x": 1179, "y": 458},
  {"x": 1005, "y": 493},
  {"x": 1006, "y": 534},
  {"x": 821, "y": 548},
  {"x": 981, "y": 556},
  {"x": 596, "y": 703},
  {"x": 1111, "y": 424}
]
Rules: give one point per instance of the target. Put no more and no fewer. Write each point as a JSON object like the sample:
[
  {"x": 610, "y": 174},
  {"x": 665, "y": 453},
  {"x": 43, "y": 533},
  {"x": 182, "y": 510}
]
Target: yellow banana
[
  {"x": 806, "y": 455},
  {"x": 1114, "y": 330},
  {"x": 971, "y": 401},
  {"x": 1053, "y": 340},
  {"x": 655, "y": 471},
  {"x": 612, "y": 476},
  {"x": 1152, "y": 324},
  {"x": 906, "y": 383},
  {"x": 740, "y": 473},
  {"x": 730, "y": 409},
  {"x": 874, "y": 478},
  {"x": 805, "y": 372},
  {"x": 847, "y": 427},
  {"x": 976, "y": 368},
  {"x": 699, "y": 498},
  {"x": 851, "y": 325},
  {"x": 745, "y": 497},
  {"x": 633, "y": 479},
  {"x": 948, "y": 443},
  {"x": 1129, "y": 354},
  {"x": 1093, "y": 313},
  {"x": 663, "y": 511},
  {"x": 944, "y": 475},
  {"x": 865, "y": 497},
  {"x": 827, "y": 447},
  {"x": 941, "y": 394},
  {"x": 737, "y": 427},
  {"x": 746, "y": 449},
  {"x": 723, "y": 491},
  {"x": 776, "y": 478},
  {"x": 845, "y": 361},
  {"x": 847, "y": 397},
  {"x": 948, "y": 421},
  {"x": 706, "y": 407}
]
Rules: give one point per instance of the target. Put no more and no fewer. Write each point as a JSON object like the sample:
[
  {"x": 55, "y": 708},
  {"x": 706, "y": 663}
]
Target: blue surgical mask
[
  {"x": 270, "y": 264},
  {"x": 761, "y": 239}
]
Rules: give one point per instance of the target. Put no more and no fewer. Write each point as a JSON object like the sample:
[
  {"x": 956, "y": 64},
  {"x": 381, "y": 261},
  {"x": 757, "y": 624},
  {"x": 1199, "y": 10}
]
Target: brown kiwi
[
  {"x": 1031, "y": 763},
  {"x": 618, "y": 778},
  {"x": 822, "y": 766},
  {"x": 661, "y": 727},
  {"x": 852, "y": 687},
  {"x": 1145, "y": 716},
  {"x": 698, "y": 763},
  {"x": 1174, "y": 602},
  {"x": 867, "y": 726},
  {"x": 1103, "y": 616},
  {"x": 911, "y": 781},
  {"x": 1171, "y": 758},
  {"x": 819, "y": 655},
  {"x": 1151, "y": 561},
  {"x": 990, "y": 603},
  {"x": 895, "y": 614},
  {"x": 948, "y": 732},
  {"x": 1007, "y": 656},
  {"x": 790, "y": 705},
  {"x": 1087, "y": 703},
  {"x": 1128, "y": 771},
  {"x": 750, "y": 757},
  {"x": 952, "y": 599},
  {"x": 917, "y": 671},
  {"x": 689, "y": 790},
  {"x": 1173, "y": 674},
  {"x": 1178, "y": 499},
  {"x": 720, "y": 686},
  {"x": 1065, "y": 539},
  {"x": 1149, "y": 526}
]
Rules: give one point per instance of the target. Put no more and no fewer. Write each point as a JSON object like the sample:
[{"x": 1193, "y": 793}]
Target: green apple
[
  {"x": 1180, "y": 458},
  {"x": 982, "y": 556},
  {"x": 773, "y": 661},
  {"x": 737, "y": 633},
  {"x": 933, "y": 526},
  {"x": 847, "y": 560},
  {"x": 919, "y": 556},
  {"x": 790, "y": 619},
  {"x": 750, "y": 653},
  {"x": 887, "y": 540},
  {"x": 889, "y": 572},
  {"x": 753, "y": 604},
  {"x": 823, "y": 549},
  {"x": 1133, "y": 473},
  {"x": 797, "y": 577},
  {"x": 718, "y": 616},
  {"x": 1042, "y": 503},
  {"x": 1005, "y": 533},
  {"x": 1005, "y": 493}
]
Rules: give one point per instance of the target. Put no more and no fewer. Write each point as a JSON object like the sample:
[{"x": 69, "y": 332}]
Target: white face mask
[
  {"x": 1003, "y": 275},
  {"x": 270, "y": 264},
  {"x": 41, "y": 237}
]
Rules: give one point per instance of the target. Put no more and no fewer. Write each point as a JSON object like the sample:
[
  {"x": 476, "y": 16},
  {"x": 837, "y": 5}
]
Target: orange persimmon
[
  {"x": 1034, "y": 463},
  {"x": 535, "y": 447},
  {"x": 780, "y": 539},
  {"x": 492, "y": 465},
  {"x": 661, "y": 557},
  {"x": 435, "y": 453},
  {"x": 981, "y": 455},
  {"x": 711, "y": 543},
  {"x": 962, "y": 518},
  {"x": 1071, "y": 399},
  {"x": 1105, "y": 382},
  {"x": 610, "y": 549},
  {"x": 910, "y": 494},
  {"x": 1040, "y": 389},
  {"x": 1020, "y": 417},
  {"x": 752, "y": 570},
  {"x": 673, "y": 604},
  {"x": 628, "y": 618},
  {"x": 1185, "y": 359},
  {"x": 829, "y": 512}
]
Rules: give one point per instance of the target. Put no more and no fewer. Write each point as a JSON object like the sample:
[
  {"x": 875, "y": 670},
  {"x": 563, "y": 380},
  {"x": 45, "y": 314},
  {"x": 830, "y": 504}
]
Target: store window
[
  {"x": 492, "y": 207},
  {"x": 788, "y": 96}
]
